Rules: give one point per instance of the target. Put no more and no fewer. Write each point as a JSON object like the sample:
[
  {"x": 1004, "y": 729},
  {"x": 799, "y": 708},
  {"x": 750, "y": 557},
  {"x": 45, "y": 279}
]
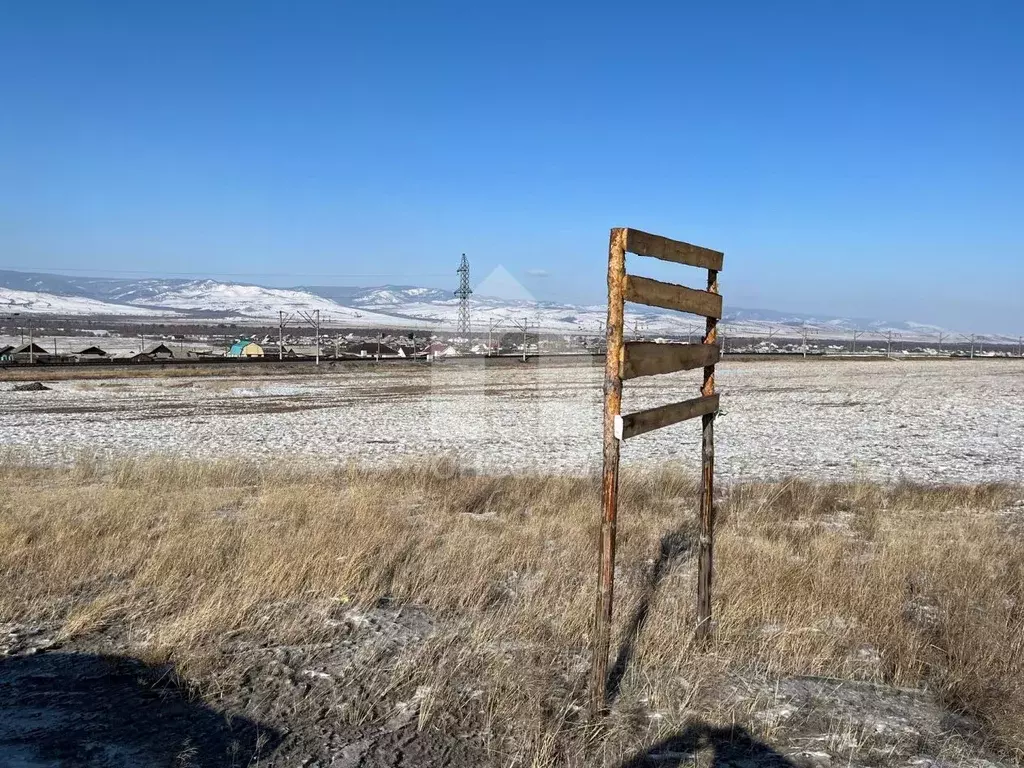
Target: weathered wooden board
[
  {"x": 654, "y": 293},
  {"x": 645, "y": 358},
  {"x": 610, "y": 474},
  {"x": 658, "y": 247},
  {"x": 640, "y": 422}
]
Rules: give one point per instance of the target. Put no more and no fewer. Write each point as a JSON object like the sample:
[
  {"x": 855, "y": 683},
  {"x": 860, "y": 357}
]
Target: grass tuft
[{"x": 906, "y": 586}]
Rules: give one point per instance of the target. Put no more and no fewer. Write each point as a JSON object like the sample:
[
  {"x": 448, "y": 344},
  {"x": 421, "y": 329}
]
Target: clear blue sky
[{"x": 858, "y": 158}]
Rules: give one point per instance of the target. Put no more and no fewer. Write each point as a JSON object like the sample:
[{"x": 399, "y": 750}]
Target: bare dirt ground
[{"x": 935, "y": 421}]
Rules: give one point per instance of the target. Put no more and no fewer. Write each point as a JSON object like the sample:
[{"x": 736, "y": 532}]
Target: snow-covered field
[{"x": 935, "y": 421}]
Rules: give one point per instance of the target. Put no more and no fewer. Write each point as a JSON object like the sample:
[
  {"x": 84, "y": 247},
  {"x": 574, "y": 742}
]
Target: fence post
[
  {"x": 706, "y": 543},
  {"x": 610, "y": 473}
]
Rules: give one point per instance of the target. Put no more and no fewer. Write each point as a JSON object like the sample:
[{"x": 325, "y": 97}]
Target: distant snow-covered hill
[
  {"x": 228, "y": 299},
  {"x": 43, "y": 303},
  {"x": 395, "y": 306}
]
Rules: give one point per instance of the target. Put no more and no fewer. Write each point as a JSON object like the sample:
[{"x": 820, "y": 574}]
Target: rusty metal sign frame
[{"x": 627, "y": 360}]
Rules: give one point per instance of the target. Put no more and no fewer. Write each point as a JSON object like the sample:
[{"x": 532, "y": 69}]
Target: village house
[
  {"x": 273, "y": 351},
  {"x": 26, "y": 353},
  {"x": 246, "y": 348},
  {"x": 371, "y": 349},
  {"x": 91, "y": 354},
  {"x": 159, "y": 352},
  {"x": 440, "y": 349}
]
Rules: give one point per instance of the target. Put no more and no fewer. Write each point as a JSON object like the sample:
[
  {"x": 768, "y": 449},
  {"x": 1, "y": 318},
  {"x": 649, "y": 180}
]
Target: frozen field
[{"x": 942, "y": 421}]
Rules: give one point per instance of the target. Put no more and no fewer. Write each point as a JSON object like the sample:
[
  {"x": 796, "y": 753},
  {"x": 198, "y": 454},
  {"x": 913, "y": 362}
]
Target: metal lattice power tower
[{"x": 463, "y": 296}]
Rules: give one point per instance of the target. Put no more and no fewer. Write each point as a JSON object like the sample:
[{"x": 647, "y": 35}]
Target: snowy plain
[{"x": 925, "y": 421}]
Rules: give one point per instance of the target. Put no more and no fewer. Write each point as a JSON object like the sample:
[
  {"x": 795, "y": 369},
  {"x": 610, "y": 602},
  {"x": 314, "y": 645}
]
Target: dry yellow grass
[{"x": 905, "y": 586}]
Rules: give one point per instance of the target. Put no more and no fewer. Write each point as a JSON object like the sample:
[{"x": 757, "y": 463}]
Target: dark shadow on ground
[
  {"x": 730, "y": 747},
  {"x": 68, "y": 710},
  {"x": 674, "y": 547}
]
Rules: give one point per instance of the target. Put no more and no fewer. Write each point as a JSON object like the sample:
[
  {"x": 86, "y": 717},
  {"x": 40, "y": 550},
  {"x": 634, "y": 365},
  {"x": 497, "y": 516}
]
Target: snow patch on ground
[{"x": 933, "y": 422}]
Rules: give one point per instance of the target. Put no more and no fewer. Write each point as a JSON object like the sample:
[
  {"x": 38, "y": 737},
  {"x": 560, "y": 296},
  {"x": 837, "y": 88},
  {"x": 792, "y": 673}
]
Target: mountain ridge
[{"x": 386, "y": 305}]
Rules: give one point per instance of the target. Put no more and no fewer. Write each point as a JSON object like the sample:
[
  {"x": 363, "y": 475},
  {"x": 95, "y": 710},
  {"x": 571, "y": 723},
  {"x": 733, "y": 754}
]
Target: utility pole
[
  {"x": 636, "y": 326},
  {"x": 281, "y": 320},
  {"x": 942, "y": 338},
  {"x": 1020, "y": 347},
  {"x": 805, "y": 334},
  {"x": 856, "y": 335},
  {"x": 523, "y": 325},
  {"x": 888, "y": 348},
  {"x": 463, "y": 294},
  {"x": 971, "y": 339},
  {"x": 32, "y": 345},
  {"x": 490, "y": 331},
  {"x": 378, "y": 345},
  {"x": 313, "y": 318}
]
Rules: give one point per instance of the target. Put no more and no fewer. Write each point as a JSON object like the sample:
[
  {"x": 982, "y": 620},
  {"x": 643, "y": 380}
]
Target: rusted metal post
[
  {"x": 610, "y": 474},
  {"x": 706, "y": 543}
]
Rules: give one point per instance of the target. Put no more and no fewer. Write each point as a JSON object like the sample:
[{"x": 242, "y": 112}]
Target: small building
[
  {"x": 440, "y": 349},
  {"x": 159, "y": 352},
  {"x": 5, "y": 351},
  {"x": 91, "y": 353},
  {"x": 246, "y": 348},
  {"x": 27, "y": 353},
  {"x": 273, "y": 351},
  {"x": 372, "y": 349}
]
